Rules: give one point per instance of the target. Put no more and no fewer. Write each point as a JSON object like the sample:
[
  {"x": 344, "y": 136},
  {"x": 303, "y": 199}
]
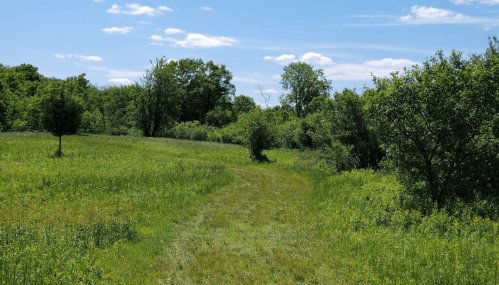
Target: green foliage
[
  {"x": 19, "y": 126},
  {"x": 61, "y": 113},
  {"x": 92, "y": 122},
  {"x": 259, "y": 135},
  {"x": 157, "y": 103},
  {"x": 243, "y": 104},
  {"x": 305, "y": 84},
  {"x": 378, "y": 241},
  {"x": 435, "y": 122}
]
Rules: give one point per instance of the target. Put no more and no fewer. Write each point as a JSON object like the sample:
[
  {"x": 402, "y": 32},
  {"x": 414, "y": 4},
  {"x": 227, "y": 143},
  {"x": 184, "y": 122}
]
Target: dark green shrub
[
  {"x": 199, "y": 134},
  {"x": 259, "y": 135}
]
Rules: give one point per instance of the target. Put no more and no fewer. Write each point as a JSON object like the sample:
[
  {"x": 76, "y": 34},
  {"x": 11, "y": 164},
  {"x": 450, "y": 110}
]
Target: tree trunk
[{"x": 60, "y": 140}]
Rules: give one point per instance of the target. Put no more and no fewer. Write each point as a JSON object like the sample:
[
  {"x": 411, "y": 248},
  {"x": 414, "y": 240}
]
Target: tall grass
[
  {"x": 377, "y": 241},
  {"x": 75, "y": 219}
]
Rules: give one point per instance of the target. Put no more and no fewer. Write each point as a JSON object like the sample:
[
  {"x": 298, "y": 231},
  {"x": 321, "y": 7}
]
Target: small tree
[
  {"x": 62, "y": 113},
  {"x": 259, "y": 135}
]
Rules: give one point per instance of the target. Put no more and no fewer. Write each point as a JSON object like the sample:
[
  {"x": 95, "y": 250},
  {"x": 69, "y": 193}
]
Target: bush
[
  {"x": 92, "y": 122},
  {"x": 437, "y": 122},
  {"x": 199, "y": 134},
  {"x": 19, "y": 125},
  {"x": 287, "y": 133},
  {"x": 259, "y": 135}
]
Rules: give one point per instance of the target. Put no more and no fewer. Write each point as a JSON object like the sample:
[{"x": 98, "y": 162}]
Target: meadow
[{"x": 125, "y": 210}]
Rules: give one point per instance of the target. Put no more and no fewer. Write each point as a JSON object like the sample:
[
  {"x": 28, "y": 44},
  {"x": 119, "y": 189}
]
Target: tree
[
  {"x": 184, "y": 90},
  {"x": 305, "y": 84},
  {"x": 243, "y": 104},
  {"x": 436, "y": 121},
  {"x": 201, "y": 87},
  {"x": 158, "y": 102},
  {"x": 61, "y": 114}
]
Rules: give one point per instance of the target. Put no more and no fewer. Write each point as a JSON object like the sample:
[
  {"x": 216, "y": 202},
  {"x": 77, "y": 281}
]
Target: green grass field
[{"x": 121, "y": 210}]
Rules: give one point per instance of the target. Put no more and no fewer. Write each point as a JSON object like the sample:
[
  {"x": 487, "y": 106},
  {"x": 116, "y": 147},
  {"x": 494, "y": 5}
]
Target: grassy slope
[{"x": 149, "y": 211}]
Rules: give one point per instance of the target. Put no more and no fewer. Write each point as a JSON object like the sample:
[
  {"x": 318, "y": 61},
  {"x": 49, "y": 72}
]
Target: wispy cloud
[
  {"x": 200, "y": 40},
  {"x": 364, "y": 71},
  {"x": 121, "y": 81},
  {"x": 310, "y": 58},
  {"x": 145, "y": 23},
  {"x": 485, "y": 2},
  {"x": 156, "y": 44},
  {"x": 114, "y": 73},
  {"x": 197, "y": 40},
  {"x": 170, "y": 31},
  {"x": 267, "y": 91},
  {"x": 422, "y": 15},
  {"x": 206, "y": 8},
  {"x": 159, "y": 38},
  {"x": 89, "y": 58},
  {"x": 59, "y": 55},
  {"x": 123, "y": 30},
  {"x": 137, "y": 9}
]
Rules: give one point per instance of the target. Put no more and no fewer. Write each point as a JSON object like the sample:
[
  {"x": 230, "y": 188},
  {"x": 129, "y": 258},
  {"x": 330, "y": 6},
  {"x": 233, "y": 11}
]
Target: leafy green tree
[
  {"x": 200, "y": 88},
  {"x": 61, "y": 113},
  {"x": 436, "y": 121},
  {"x": 157, "y": 105},
  {"x": 243, "y": 104},
  {"x": 305, "y": 84}
]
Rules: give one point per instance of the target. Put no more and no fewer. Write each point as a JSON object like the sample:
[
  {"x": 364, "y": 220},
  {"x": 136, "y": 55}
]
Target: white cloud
[
  {"x": 199, "y": 40},
  {"x": 98, "y": 0},
  {"x": 486, "y": 2},
  {"x": 89, "y": 58},
  {"x": 390, "y": 62},
  {"x": 161, "y": 39},
  {"x": 123, "y": 81},
  {"x": 362, "y": 72},
  {"x": 123, "y": 30},
  {"x": 164, "y": 8},
  {"x": 266, "y": 91},
  {"x": 315, "y": 58},
  {"x": 310, "y": 58},
  {"x": 206, "y": 8},
  {"x": 59, "y": 55},
  {"x": 174, "y": 31},
  {"x": 115, "y": 9},
  {"x": 156, "y": 44},
  {"x": 431, "y": 15},
  {"x": 145, "y": 22},
  {"x": 137, "y": 9},
  {"x": 283, "y": 59}
]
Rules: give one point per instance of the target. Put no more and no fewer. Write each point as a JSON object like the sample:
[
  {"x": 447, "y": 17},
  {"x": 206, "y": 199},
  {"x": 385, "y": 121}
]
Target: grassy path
[{"x": 257, "y": 231}]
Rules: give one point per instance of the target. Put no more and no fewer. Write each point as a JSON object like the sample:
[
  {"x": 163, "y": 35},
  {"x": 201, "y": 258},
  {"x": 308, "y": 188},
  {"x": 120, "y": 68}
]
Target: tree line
[{"x": 435, "y": 125}]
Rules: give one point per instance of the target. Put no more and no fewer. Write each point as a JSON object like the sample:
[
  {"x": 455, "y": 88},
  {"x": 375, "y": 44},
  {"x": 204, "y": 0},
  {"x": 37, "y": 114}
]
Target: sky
[{"x": 113, "y": 42}]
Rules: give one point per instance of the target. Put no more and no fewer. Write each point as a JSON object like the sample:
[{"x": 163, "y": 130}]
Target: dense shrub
[
  {"x": 436, "y": 121},
  {"x": 259, "y": 135}
]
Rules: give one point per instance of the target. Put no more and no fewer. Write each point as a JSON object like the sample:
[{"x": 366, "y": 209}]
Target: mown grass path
[{"x": 260, "y": 230}]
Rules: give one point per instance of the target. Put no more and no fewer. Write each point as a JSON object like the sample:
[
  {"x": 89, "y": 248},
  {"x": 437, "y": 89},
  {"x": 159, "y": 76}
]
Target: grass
[
  {"x": 378, "y": 242},
  {"x": 121, "y": 210}
]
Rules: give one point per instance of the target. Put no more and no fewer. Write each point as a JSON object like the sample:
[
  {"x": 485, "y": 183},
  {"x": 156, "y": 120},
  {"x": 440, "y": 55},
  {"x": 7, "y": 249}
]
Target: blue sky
[{"x": 113, "y": 41}]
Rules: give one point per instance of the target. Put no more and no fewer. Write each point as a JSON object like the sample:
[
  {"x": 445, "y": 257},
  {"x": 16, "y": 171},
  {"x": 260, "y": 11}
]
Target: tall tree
[
  {"x": 201, "y": 87},
  {"x": 305, "y": 83},
  {"x": 61, "y": 112},
  {"x": 158, "y": 101}
]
